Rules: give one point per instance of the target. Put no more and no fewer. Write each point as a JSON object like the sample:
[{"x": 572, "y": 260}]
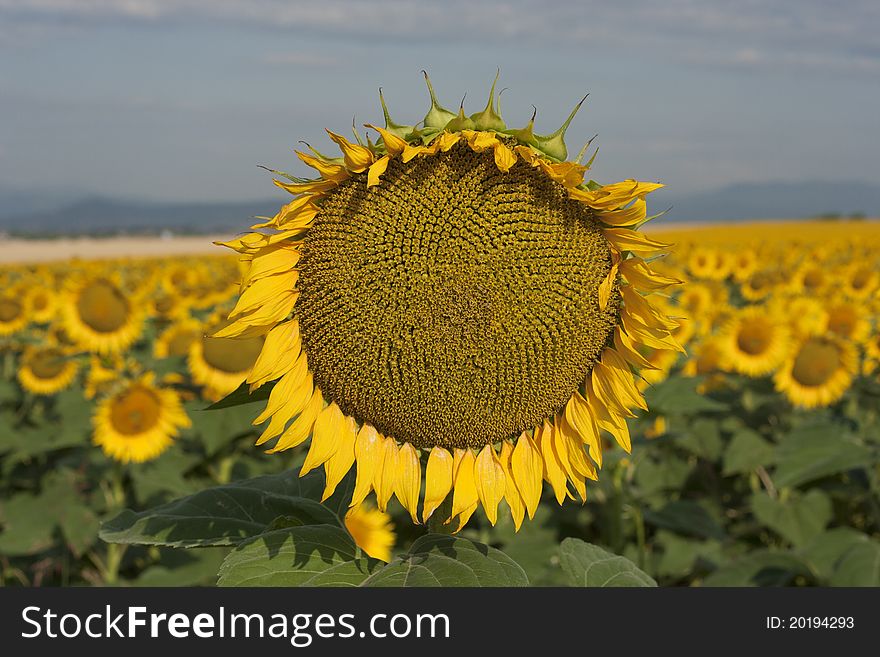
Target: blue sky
[{"x": 181, "y": 99}]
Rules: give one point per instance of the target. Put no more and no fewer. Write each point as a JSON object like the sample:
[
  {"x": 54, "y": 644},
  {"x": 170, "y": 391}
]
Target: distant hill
[
  {"x": 98, "y": 215},
  {"x": 740, "y": 202},
  {"x": 778, "y": 200}
]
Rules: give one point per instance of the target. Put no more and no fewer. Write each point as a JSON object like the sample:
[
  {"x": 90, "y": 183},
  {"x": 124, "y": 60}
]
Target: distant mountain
[
  {"x": 770, "y": 200},
  {"x": 98, "y": 215},
  {"x": 15, "y": 201}
]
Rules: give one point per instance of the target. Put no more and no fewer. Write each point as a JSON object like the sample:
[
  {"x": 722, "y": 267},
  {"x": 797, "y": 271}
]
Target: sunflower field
[
  {"x": 450, "y": 359},
  {"x": 757, "y": 464}
]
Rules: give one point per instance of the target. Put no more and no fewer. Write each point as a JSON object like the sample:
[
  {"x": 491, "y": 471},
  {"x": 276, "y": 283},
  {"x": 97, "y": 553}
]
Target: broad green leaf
[
  {"x": 315, "y": 555},
  {"x": 589, "y": 565},
  {"x": 27, "y": 525},
  {"x": 703, "y": 438},
  {"x": 680, "y": 554},
  {"x": 686, "y": 517},
  {"x": 80, "y": 526},
  {"x": 747, "y": 451},
  {"x": 678, "y": 395},
  {"x": 859, "y": 566},
  {"x": 227, "y": 515},
  {"x": 824, "y": 550},
  {"x": 817, "y": 451},
  {"x": 797, "y": 519},
  {"x": 185, "y": 568},
  {"x": 667, "y": 473},
  {"x": 439, "y": 560},
  {"x": 534, "y": 547},
  {"x": 242, "y": 395},
  {"x": 760, "y": 568},
  {"x": 217, "y": 428}
]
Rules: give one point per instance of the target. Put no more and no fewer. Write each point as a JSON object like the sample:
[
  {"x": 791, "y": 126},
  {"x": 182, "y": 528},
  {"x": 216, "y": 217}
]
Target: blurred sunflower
[
  {"x": 41, "y": 304},
  {"x": 139, "y": 421},
  {"x": 859, "y": 280},
  {"x": 175, "y": 341},
  {"x": 13, "y": 313},
  {"x": 99, "y": 316},
  {"x": 458, "y": 291},
  {"x": 754, "y": 342},
  {"x": 848, "y": 320},
  {"x": 45, "y": 369},
  {"x": 818, "y": 371},
  {"x": 372, "y": 531},
  {"x": 221, "y": 364}
]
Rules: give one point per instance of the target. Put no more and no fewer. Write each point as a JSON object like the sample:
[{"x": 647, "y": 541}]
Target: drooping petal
[
  {"x": 553, "y": 471},
  {"x": 340, "y": 462},
  {"x": 376, "y": 169},
  {"x": 301, "y": 427},
  {"x": 278, "y": 355},
  {"x": 394, "y": 145},
  {"x": 625, "y": 216},
  {"x": 581, "y": 418},
  {"x": 637, "y": 273},
  {"x": 356, "y": 157},
  {"x": 367, "y": 453},
  {"x": 385, "y": 474},
  {"x": 511, "y": 493},
  {"x": 489, "y": 478},
  {"x": 527, "y": 468},
  {"x": 625, "y": 239},
  {"x": 326, "y": 437},
  {"x": 464, "y": 495},
  {"x": 408, "y": 480},
  {"x": 438, "y": 480},
  {"x": 504, "y": 157}
]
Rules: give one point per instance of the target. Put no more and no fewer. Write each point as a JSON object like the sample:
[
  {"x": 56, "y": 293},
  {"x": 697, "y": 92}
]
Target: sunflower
[
  {"x": 46, "y": 369},
  {"x": 139, "y": 421},
  {"x": 99, "y": 316},
  {"x": 810, "y": 279},
  {"x": 859, "y": 280},
  {"x": 13, "y": 313},
  {"x": 221, "y": 364},
  {"x": 754, "y": 342},
  {"x": 818, "y": 371},
  {"x": 848, "y": 320},
  {"x": 454, "y": 294},
  {"x": 759, "y": 284},
  {"x": 176, "y": 340},
  {"x": 41, "y": 304},
  {"x": 372, "y": 531}
]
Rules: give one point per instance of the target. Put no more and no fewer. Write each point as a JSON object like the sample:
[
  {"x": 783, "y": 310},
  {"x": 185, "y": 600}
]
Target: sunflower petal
[
  {"x": 385, "y": 475},
  {"x": 438, "y": 480},
  {"x": 526, "y": 466},
  {"x": 326, "y": 437},
  {"x": 356, "y": 157},
  {"x": 408, "y": 480},
  {"x": 367, "y": 450},
  {"x": 340, "y": 462},
  {"x": 464, "y": 493},
  {"x": 511, "y": 493},
  {"x": 489, "y": 478}
]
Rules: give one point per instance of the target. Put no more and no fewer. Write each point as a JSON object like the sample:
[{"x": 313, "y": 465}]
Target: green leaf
[
  {"x": 80, "y": 526},
  {"x": 227, "y": 515},
  {"x": 217, "y": 428},
  {"x": 439, "y": 560},
  {"x": 678, "y": 396},
  {"x": 760, "y": 568},
  {"x": 685, "y": 517},
  {"x": 702, "y": 438},
  {"x": 859, "y": 566},
  {"x": 27, "y": 527},
  {"x": 534, "y": 547},
  {"x": 185, "y": 568},
  {"x": 798, "y": 518},
  {"x": 817, "y": 451},
  {"x": 680, "y": 554},
  {"x": 316, "y": 555},
  {"x": 747, "y": 451},
  {"x": 589, "y": 565},
  {"x": 242, "y": 395},
  {"x": 825, "y": 550}
]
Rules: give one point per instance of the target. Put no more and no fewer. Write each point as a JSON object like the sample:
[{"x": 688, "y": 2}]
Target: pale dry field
[{"x": 18, "y": 251}]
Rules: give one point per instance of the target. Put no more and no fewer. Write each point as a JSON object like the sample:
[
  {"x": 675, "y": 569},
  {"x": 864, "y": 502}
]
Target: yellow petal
[
  {"x": 273, "y": 260},
  {"x": 409, "y": 479},
  {"x": 301, "y": 427},
  {"x": 411, "y": 151},
  {"x": 610, "y": 197},
  {"x": 504, "y": 157},
  {"x": 625, "y": 239},
  {"x": 278, "y": 355},
  {"x": 561, "y": 444},
  {"x": 626, "y": 216},
  {"x": 438, "y": 480},
  {"x": 637, "y": 273},
  {"x": 385, "y": 475},
  {"x": 625, "y": 347},
  {"x": 606, "y": 286},
  {"x": 356, "y": 157},
  {"x": 377, "y": 168},
  {"x": 367, "y": 453},
  {"x": 581, "y": 418},
  {"x": 623, "y": 376},
  {"x": 285, "y": 394},
  {"x": 394, "y": 145},
  {"x": 465, "y": 489},
  {"x": 446, "y": 140},
  {"x": 265, "y": 290},
  {"x": 326, "y": 437},
  {"x": 608, "y": 420},
  {"x": 339, "y": 463},
  {"x": 489, "y": 478},
  {"x": 479, "y": 141},
  {"x": 526, "y": 466},
  {"x": 311, "y": 187},
  {"x": 511, "y": 492},
  {"x": 553, "y": 471},
  {"x": 328, "y": 170},
  {"x": 651, "y": 337}
]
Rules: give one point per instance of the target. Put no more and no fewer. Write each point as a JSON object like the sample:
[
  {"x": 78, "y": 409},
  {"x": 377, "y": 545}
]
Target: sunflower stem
[{"x": 437, "y": 521}]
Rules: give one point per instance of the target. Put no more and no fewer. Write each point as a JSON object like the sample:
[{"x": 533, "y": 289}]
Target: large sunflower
[
  {"x": 818, "y": 371},
  {"x": 139, "y": 421},
  {"x": 457, "y": 295},
  {"x": 98, "y": 315}
]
